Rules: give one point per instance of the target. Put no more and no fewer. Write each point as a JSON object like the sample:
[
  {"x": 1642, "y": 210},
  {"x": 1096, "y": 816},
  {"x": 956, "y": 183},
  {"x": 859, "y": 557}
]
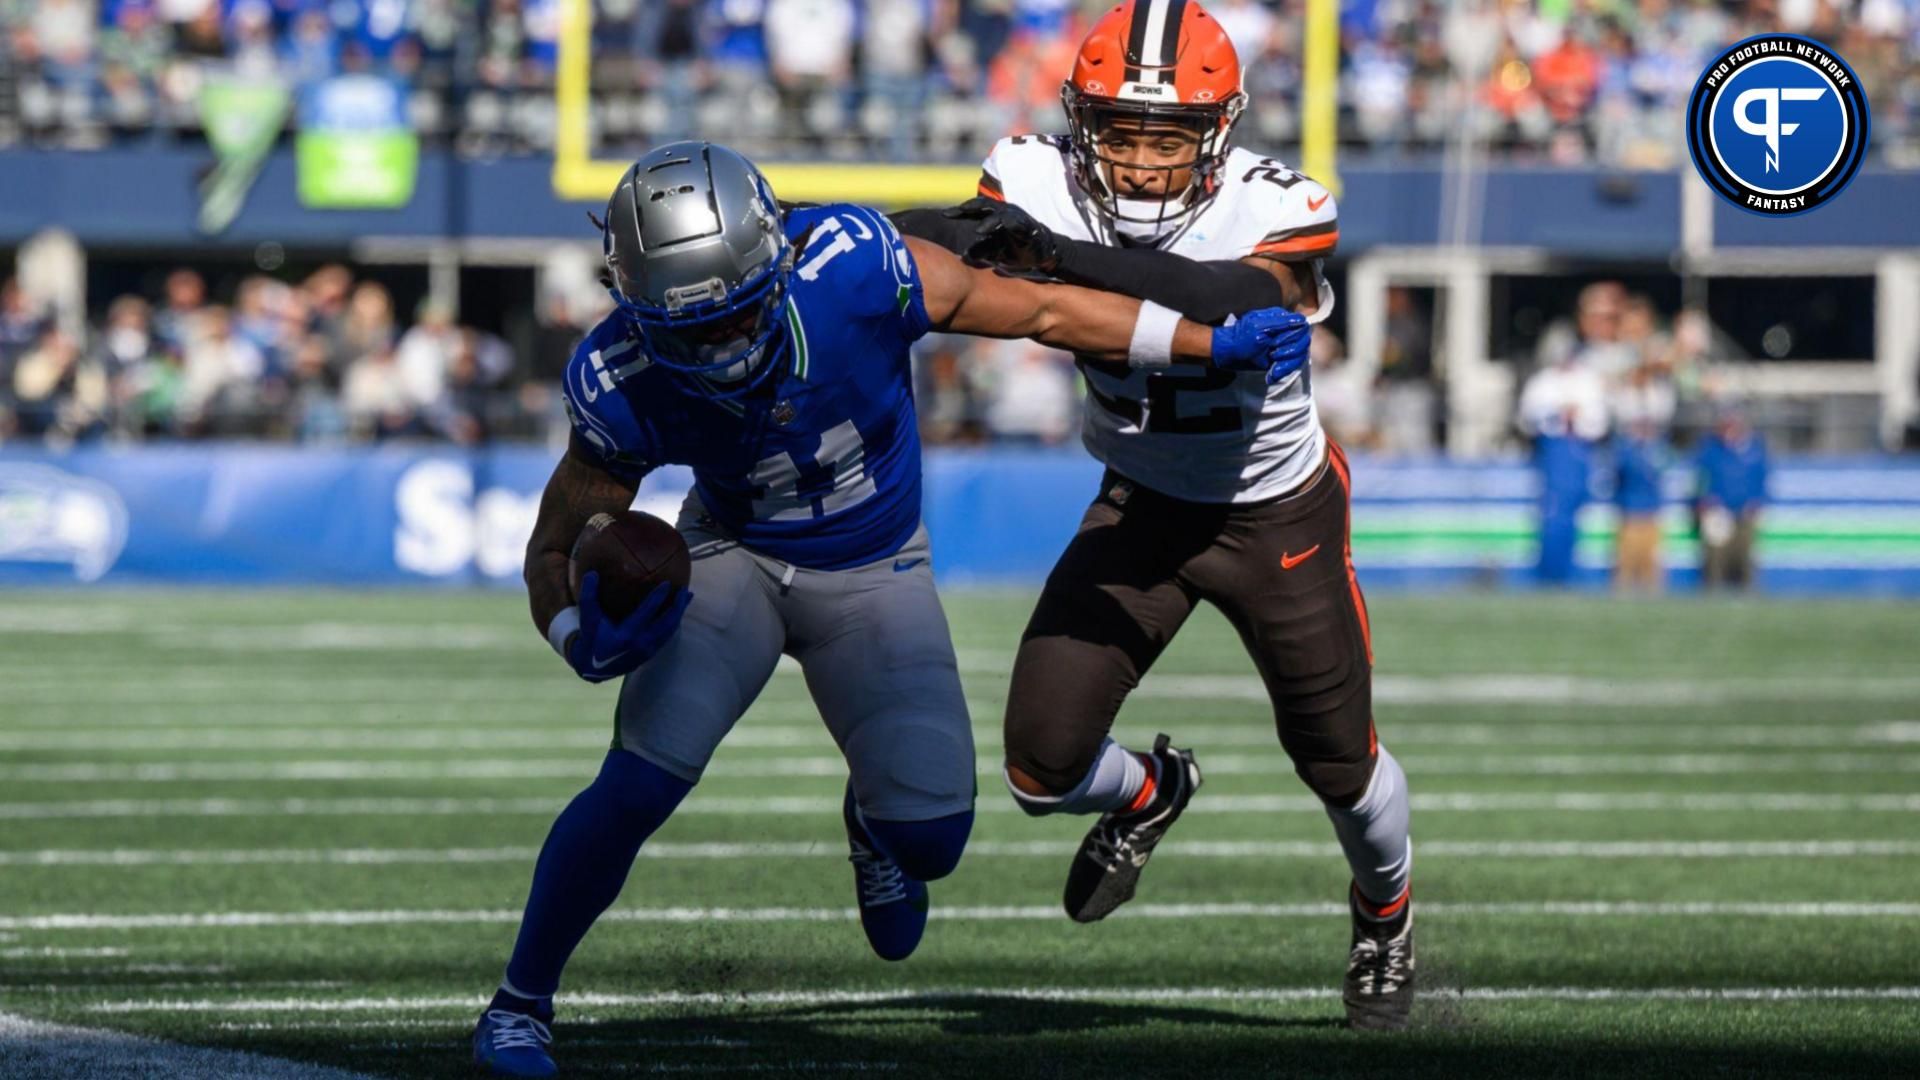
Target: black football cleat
[
  {"x": 1107, "y": 867},
  {"x": 1379, "y": 985}
]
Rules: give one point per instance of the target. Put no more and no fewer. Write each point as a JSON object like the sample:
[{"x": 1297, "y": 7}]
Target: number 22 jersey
[{"x": 1191, "y": 431}]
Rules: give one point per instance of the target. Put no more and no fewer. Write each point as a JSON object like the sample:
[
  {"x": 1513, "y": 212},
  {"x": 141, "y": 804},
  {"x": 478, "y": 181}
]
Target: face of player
[
  {"x": 728, "y": 341},
  {"x": 1148, "y": 159}
]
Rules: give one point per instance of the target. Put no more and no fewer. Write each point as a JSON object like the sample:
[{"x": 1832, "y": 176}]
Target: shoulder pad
[
  {"x": 1297, "y": 216},
  {"x": 852, "y": 254},
  {"x": 609, "y": 356},
  {"x": 1016, "y": 153}
]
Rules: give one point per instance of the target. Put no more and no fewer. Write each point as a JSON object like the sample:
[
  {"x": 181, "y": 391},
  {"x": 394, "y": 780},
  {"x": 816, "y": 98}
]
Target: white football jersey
[{"x": 1191, "y": 431}]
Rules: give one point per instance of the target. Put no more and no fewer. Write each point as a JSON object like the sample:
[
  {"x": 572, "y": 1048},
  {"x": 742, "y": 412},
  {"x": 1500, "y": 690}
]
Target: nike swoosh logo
[
  {"x": 1314, "y": 205},
  {"x": 1288, "y": 562},
  {"x": 599, "y": 663},
  {"x": 901, "y": 566}
]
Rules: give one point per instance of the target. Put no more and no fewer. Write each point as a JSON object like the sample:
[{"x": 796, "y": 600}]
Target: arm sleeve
[
  {"x": 935, "y": 227},
  {"x": 1206, "y": 292}
]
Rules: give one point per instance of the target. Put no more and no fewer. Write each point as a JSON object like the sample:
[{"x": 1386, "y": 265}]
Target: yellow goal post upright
[
  {"x": 1320, "y": 94},
  {"x": 578, "y": 176}
]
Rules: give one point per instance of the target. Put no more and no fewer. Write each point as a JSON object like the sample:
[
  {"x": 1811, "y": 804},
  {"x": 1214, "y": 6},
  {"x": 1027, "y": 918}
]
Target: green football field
[{"x": 1677, "y": 837}]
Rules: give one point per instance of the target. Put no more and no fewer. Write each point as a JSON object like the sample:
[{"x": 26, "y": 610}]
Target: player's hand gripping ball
[
  {"x": 1273, "y": 340},
  {"x": 1007, "y": 237},
  {"x": 630, "y": 573}
]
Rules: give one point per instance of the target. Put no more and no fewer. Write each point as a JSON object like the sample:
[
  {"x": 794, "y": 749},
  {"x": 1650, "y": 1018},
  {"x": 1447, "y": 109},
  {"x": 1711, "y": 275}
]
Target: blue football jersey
[{"x": 821, "y": 468}]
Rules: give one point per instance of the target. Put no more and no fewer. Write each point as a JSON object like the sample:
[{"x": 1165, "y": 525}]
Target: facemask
[
  {"x": 742, "y": 347},
  {"x": 1142, "y": 219}
]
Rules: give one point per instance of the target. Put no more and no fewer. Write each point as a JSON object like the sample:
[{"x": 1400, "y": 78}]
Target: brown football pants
[{"x": 1281, "y": 572}]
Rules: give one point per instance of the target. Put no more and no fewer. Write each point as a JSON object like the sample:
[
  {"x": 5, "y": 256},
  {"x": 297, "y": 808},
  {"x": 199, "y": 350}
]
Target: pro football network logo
[{"x": 1777, "y": 124}]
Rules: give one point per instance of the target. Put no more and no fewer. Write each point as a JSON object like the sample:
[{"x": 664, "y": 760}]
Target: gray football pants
[{"x": 873, "y": 644}]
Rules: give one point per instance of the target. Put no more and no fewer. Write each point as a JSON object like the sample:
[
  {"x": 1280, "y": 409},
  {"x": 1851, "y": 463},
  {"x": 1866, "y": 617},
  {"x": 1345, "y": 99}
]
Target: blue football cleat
[
  {"x": 893, "y": 906},
  {"x": 509, "y": 1043}
]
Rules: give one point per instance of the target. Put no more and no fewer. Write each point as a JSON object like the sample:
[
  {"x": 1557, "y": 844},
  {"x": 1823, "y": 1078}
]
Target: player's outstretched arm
[
  {"x": 1002, "y": 234},
  {"x": 965, "y": 299},
  {"x": 577, "y": 490}
]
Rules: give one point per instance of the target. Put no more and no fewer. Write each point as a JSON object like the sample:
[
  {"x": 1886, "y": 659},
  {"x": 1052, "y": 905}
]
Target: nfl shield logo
[{"x": 783, "y": 413}]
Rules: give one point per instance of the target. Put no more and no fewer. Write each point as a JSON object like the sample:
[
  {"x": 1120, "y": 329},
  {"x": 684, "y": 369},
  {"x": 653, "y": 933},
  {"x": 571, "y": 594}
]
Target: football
[{"x": 633, "y": 552}]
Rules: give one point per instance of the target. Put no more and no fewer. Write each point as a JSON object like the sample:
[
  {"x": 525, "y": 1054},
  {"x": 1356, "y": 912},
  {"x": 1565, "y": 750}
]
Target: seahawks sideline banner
[{"x": 255, "y": 515}]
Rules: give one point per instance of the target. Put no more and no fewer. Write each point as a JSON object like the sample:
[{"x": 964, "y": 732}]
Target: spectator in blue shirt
[
  {"x": 1732, "y": 475},
  {"x": 1640, "y": 457}
]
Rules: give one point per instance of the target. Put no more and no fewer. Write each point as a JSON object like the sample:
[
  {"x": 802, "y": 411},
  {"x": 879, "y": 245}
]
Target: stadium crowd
[
  {"x": 326, "y": 358},
  {"x": 329, "y": 358},
  {"x": 1565, "y": 80}
]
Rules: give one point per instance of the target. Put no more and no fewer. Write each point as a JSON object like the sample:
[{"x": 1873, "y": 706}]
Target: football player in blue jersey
[{"x": 768, "y": 351}]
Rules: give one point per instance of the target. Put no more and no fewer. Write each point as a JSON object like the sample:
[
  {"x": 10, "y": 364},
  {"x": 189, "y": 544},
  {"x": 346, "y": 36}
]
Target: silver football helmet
[{"x": 700, "y": 262}]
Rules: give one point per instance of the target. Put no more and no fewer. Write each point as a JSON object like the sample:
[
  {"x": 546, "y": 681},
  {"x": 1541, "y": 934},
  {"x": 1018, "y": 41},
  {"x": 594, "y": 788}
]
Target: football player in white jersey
[{"x": 1219, "y": 486}]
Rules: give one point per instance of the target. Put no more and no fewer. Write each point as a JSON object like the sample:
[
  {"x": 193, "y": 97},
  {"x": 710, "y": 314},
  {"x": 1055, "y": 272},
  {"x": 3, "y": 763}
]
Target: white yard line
[
  {"x": 1231, "y": 849},
  {"x": 94, "y": 985},
  {"x": 54, "y": 952},
  {"x": 30, "y": 1048},
  {"x": 1834, "y": 909},
  {"x": 701, "y": 804},
  {"x": 1493, "y": 688},
  {"x": 1273, "y": 764},
  {"x": 195, "y": 684},
  {"x": 780, "y": 765},
  {"x": 932, "y": 996},
  {"x": 761, "y": 733}
]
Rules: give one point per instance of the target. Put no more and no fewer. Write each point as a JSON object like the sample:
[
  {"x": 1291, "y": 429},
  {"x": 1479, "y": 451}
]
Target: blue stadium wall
[
  {"x": 381, "y": 516},
  {"x": 147, "y": 197}
]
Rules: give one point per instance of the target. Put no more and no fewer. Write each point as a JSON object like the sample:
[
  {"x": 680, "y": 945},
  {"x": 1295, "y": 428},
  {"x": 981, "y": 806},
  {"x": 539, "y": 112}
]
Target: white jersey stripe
[{"x": 1154, "y": 51}]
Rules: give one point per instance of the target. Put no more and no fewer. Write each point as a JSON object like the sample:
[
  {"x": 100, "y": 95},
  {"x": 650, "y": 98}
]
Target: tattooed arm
[{"x": 577, "y": 490}]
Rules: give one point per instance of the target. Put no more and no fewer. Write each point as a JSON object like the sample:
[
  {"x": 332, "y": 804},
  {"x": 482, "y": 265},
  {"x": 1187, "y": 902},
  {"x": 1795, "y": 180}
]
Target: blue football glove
[
  {"x": 1273, "y": 340},
  {"x": 604, "y": 649}
]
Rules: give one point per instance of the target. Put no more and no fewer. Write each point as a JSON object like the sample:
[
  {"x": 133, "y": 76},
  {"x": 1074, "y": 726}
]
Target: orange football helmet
[{"x": 1154, "y": 60}]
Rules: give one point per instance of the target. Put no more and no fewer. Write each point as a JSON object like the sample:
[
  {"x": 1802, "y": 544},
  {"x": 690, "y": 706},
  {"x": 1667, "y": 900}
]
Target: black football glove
[{"x": 1007, "y": 237}]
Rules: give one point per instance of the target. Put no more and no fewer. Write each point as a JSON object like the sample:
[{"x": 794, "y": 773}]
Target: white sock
[
  {"x": 1374, "y": 834},
  {"x": 1116, "y": 780}
]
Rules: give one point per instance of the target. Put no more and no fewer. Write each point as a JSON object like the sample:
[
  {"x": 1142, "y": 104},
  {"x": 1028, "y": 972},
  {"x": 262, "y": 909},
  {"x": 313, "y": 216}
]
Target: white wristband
[
  {"x": 1153, "y": 331},
  {"x": 563, "y": 626}
]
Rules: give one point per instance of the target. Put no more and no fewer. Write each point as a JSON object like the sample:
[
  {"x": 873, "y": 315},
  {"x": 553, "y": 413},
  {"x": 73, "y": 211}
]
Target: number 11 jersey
[
  {"x": 820, "y": 466},
  {"x": 1191, "y": 431}
]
